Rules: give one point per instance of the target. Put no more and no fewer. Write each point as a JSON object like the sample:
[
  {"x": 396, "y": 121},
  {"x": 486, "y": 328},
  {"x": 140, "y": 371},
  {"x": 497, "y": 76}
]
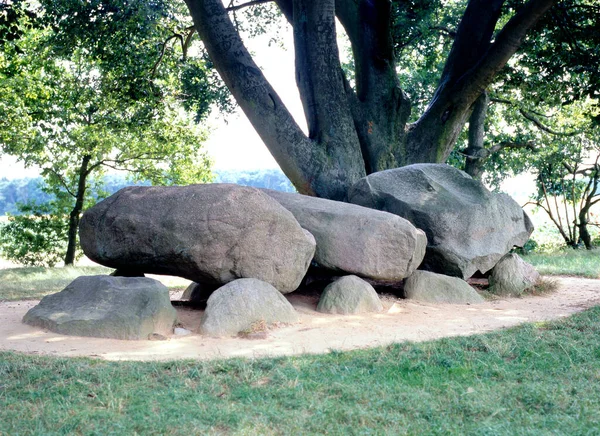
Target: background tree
[
  {"x": 567, "y": 177},
  {"x": 75, "y": 112}
]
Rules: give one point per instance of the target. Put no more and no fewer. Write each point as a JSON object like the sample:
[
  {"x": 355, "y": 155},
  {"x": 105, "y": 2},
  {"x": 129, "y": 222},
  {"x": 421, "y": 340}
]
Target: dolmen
[{"x": 245, "y": 248}]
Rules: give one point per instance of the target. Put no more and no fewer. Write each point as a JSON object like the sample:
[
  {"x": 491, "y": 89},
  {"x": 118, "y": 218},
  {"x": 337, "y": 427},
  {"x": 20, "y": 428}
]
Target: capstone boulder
[
  {"x": 213, "y": 233},
  {"x": 107, "y": 307},
  {"x": 468, "y": 227},
  {"x": 358, "y": 240}
]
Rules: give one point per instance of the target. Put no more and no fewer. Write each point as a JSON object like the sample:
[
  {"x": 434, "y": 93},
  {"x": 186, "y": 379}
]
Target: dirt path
[{"x": 315, "y": 333}]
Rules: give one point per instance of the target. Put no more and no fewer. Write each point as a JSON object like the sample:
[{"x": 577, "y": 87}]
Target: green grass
[
  {"x": 36, "y": 282},
  {"x": 585, "y": 263},
  {"x": 533, "y": 379}
]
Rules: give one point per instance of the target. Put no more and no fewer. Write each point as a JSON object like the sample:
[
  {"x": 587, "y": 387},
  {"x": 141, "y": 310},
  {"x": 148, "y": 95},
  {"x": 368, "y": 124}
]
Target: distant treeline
[{"x": 28, "y": 190}]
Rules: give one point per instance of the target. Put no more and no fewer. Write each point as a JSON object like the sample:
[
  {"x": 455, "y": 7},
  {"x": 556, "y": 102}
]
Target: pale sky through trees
[{"x": 233, "y": 143}]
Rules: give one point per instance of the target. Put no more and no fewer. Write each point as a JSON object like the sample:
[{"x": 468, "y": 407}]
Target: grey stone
[
  {"x": 356, "y": 239},
  {"x": 349, "y": 295},
  {"x": 238, "y": 305},
  {"x": 107, "y": 307},
  {"x": 198, "y": 292},
  {"x": 512, "y": 276},
  {"x": 468, "y": 227},
  {"x": 437, "y": 288},
  {"x": 211, "y": 233}
]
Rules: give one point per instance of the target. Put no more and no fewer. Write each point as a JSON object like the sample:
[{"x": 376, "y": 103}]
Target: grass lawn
[
  {"x": 30, "y": 283},
  {"x": 584, "y": 263},
  {"x": 533, "y": 379}
]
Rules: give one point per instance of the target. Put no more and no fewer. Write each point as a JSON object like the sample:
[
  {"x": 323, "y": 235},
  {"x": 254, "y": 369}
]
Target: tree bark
[
  {"x": 313, "y": 166},
  {"x": 75, "y": 214},
  {"x": 381, "y": 108},
  {"x": 466, "y": 75},
  {"x": 584, "y": 234},
  {"x": 475, "y": 153},
  {"x": 356, "y": 132},
  {"x": 321, "y": 85}
]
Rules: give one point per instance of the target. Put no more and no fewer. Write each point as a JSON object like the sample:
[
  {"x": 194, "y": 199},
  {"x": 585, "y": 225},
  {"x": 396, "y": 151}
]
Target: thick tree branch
[
  {"x": 472, "y": 39},
  {"x": 247, "y": 4},
  {"x": 312, "y": 168},
  {"x": 321, "y": 82},
  {"x": 385, "y": 108},
  {"x": 506, "y": 44},
  {"x": 473, "y": 63}
]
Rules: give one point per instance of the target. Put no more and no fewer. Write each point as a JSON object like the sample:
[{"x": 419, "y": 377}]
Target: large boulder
[
  {"x": 238, "y": 305},
  {"x": 211, "y": 233},
  {"x": 468, "y": 227},
  {"x": 355, "y": 239},
  {"x": 349, "y": 295},
  {"x": 437, "y": 288},
  {"x": 107, "y": 307},
  {"x": 512, "y": 276}
]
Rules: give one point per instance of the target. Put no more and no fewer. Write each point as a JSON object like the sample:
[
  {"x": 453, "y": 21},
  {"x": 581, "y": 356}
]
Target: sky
[{"x": 233, "y": 143}]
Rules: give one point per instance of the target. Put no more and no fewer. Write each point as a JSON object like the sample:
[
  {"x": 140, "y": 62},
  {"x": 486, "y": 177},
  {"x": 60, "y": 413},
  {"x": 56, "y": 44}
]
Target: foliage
[
  {"x": 17, "y": 191},
  {"x": 529, "y": 247},
  {"x": 532, "y": 379},
  {"x": 582, "y": 263},
  {"x": 91, "y": 106},
  {"x": 27, "y": 283},
  {"x": 36, "y": 237},
  {"x": 567, "y": 178},
  {"x": 268, "y": 179},
  {"x": 31, "y": 190}
]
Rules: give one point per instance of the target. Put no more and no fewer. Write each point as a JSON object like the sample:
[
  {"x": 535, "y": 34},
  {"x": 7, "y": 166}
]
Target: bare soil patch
[{"x": 402, "y": 320}]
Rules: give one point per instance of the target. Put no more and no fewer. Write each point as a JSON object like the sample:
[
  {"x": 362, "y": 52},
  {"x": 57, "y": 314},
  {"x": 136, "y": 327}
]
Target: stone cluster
[{"x": 244, "y": 248}]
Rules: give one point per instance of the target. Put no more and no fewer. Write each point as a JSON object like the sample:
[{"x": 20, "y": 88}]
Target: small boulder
[
  {"x": 437, "y": 288},
  {"x": 198, "y": 292},
  {"x": 468, "y": 227},
  {"x": 238, "y": 305},
  {"x": 512, "y": 276},
  {"x": 355, "y": 239},
  {"x": 349, "y": 295},
  {"x": 213, "y": 233},
  {"x": 107, "y": 307}
]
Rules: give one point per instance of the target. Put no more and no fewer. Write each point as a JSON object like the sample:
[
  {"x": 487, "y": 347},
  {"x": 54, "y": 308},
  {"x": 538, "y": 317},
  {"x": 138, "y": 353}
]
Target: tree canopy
[
  {"x": 417, "y": 70},
  {"x": 76, "y": 106}
]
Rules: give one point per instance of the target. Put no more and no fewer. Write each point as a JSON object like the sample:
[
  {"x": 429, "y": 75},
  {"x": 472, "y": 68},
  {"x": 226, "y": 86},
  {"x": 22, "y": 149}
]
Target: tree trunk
[
  {"x": 582, "y": 219},
  {"x": 475, "y": 153},
  {"x": 314, "y": 166},
  {"x": 353, "y": 132},
  {"x": 584, "y": 234},
  {"x": 75, "y": 214},
  {"x": 380, "y": 107}
]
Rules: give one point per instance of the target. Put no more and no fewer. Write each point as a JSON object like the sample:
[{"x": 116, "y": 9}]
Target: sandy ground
[{"x": 402, "y": 320}]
